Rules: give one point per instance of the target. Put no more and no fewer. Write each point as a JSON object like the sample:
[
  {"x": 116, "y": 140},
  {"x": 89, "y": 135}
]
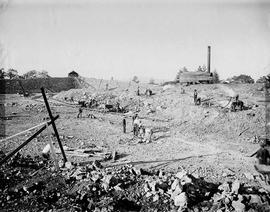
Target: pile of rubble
[
  {"x": 32, "y": 184},
  {"x": 127, "y": 100}
]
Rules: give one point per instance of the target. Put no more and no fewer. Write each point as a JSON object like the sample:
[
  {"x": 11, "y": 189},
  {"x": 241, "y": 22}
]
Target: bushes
[{"x": 242, "y": 79}]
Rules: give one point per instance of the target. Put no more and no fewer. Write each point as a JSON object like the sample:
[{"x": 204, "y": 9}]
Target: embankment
[{"x": 55, "y": 84}]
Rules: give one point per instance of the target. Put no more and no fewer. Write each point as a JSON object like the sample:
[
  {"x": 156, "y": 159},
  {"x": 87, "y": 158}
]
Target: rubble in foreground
[{"x": 32, "y": 184}]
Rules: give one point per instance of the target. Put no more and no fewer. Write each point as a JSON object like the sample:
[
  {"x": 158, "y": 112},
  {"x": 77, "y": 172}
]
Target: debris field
[{"x": 198, "y": 157}]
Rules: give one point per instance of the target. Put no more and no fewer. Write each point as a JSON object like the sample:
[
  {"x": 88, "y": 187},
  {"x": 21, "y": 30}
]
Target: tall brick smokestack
[{"x": 209, "y": 59}]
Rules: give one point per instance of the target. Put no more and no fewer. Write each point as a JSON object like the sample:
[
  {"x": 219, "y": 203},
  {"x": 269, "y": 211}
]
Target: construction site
[
  {"x": 134, "y": 106},
  {"x": 126, "y": 146}
]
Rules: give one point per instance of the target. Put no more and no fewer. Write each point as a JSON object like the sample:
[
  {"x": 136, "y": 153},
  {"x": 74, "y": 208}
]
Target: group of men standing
[{"x": 140, "y": 131}]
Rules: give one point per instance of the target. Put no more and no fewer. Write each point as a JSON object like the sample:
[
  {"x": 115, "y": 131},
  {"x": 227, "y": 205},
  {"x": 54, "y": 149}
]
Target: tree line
[{"x": 13, "y": 74}]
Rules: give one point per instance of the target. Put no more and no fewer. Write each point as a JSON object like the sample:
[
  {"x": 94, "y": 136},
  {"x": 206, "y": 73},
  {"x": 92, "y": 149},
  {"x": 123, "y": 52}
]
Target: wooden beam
[{"x": 53, "y": 124}]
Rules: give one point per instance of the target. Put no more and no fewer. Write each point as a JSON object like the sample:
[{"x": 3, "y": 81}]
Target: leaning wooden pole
[
  {"x": 53, "y": 124},
  {"x": 26, "y": 142}
]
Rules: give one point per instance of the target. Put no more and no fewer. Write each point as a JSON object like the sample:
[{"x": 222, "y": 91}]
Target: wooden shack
[{"x": 196, "y": 77}]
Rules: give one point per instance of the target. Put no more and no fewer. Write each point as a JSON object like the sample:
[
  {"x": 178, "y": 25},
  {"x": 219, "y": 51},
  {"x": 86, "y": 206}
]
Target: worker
[
  {"x": 133, "y": 118},
  {"x": 182, "y": 90},
  {"x": 124, "y": 125},
  {"x": 195, "y": 96},
  {"x": 136, "y": 126},
  {"x": 148, "y": 92},
  {"x": 141, "y": 132},
  {"x": 138, "y": 91},
  {"x": 148, "y": 135},
  {"x": 80, "y": 112},
  {"x": 237, "y": 98},
  {"x": 118, "y": 107},
  {"x": 263, "y": 155}
]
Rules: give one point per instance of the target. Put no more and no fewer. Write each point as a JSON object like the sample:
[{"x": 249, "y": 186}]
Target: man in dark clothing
[
  {"x": 237, "y": 98},
  {"x": 263, "y": 155},
  {"x": 80, "y": 112},
  {"x": 124, "y": 125},
  {"x": 138, "y": 91},
  {"x": 195, "y": 96},
  {"x": 118, "y": 107}
]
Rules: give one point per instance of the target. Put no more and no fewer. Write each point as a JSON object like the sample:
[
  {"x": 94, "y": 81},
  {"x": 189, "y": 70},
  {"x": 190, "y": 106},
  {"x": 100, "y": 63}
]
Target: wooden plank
[{"x": 53, "y": 124}]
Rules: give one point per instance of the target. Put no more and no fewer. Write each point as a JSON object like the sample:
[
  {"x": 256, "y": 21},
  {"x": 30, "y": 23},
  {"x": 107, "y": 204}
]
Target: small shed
[
  {"x": 196, "y": 77},
  {"x": 73, "y": 74}
]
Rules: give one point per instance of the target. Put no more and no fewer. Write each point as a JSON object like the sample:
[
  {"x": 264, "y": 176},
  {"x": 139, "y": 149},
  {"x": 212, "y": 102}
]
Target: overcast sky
[{"x": 123, "y": 38}]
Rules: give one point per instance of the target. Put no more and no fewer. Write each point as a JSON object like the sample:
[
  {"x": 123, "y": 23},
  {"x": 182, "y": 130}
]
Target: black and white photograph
[{"x": 135, "y": 105}]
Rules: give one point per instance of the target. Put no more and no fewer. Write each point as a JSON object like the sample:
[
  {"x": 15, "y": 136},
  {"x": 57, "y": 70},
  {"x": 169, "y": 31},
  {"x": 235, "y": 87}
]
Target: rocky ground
[{"x": 208, "y": 144}]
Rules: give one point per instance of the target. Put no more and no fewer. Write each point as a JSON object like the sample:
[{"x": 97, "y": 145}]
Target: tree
[
  {"x": 181, "y": 70},
  {"x": 264, "y": 79},
  {"x": 73, "y": 74},
  {"x": 30, "y": 74},
  {"x": 36, "y": 74},
  {"x": 204, "y": 69},
  {"x": 242, "y": 79},
  {"x": 43, "y": 74},
  {"x": 215, "y": 77},
  {"x": 12, "y": 73},
  {"x": 135, "y": 79},
  {"x": 184, "y": 69}
]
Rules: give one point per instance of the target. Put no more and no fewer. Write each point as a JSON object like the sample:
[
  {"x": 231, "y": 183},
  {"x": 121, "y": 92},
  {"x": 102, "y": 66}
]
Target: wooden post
[
  {"x": 53, "y": 124},
  {"x": 26, "y": 142}
]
